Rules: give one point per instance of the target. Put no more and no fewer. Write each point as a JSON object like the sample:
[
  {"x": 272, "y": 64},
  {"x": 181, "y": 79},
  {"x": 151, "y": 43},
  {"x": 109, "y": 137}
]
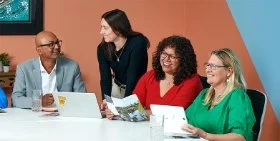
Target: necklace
[
  {"x": 118, "y": 57},
  {"x": 168, "y": 83},
  {"x": 122, "y": 48},
  {"x": 219, "y": 97}
]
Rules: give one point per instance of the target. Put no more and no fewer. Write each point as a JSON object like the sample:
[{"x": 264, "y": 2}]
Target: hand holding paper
[{"x": 128, "y": 108}]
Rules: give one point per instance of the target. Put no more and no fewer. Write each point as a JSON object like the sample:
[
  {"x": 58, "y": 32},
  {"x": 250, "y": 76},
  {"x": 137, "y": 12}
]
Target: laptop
[{"x": 75, "y": 104}]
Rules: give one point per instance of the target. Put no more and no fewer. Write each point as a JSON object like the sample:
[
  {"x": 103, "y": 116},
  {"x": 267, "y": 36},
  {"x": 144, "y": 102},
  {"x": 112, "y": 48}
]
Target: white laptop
[
  {"x": 74, "y": 104},
  {"x": 174, "y": 119}
]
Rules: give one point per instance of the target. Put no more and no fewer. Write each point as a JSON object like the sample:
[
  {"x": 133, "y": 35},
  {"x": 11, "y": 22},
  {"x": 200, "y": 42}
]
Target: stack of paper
[{"x": 174, "y": 119}]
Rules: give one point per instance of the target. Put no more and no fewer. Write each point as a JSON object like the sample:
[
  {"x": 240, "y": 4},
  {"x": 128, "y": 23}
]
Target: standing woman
[{"x": 122, "y": 55}]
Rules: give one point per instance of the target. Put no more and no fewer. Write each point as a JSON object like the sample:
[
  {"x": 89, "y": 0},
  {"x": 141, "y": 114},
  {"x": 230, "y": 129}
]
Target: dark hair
[
  {"x": 187, "y": 58},
  {"x": 120, "y": 25}
]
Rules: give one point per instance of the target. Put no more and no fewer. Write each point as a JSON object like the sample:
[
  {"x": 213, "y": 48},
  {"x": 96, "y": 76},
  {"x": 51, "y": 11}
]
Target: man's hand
[{"x": 47, "y": 100}]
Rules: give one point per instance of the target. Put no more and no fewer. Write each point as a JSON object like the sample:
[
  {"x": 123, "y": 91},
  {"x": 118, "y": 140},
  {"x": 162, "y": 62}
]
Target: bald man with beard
[{"x": 50, "y": 72}]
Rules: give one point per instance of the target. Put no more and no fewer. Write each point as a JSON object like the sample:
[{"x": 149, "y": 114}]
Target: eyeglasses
[
  {"x": 213, "y": 66},
  {"x": 52, "y": 44},
  {"x": 163, "y": 55}
]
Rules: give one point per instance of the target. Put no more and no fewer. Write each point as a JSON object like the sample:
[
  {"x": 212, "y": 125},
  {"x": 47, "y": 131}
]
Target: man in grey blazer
[{"x": 50, "y": 72}]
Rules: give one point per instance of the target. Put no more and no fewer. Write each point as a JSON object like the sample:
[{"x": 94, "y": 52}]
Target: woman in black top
[{"x": 122, "y": 54}]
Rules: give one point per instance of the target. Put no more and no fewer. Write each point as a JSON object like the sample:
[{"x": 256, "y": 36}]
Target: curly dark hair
[{"x": 187, "y": 58}]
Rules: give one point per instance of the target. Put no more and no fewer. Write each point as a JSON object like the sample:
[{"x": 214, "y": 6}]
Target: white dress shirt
[{"x": 48, "y": 80}]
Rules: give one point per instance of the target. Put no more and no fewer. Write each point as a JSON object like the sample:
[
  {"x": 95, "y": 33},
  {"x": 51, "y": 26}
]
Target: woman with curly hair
[{"x": 174, "y": 80}]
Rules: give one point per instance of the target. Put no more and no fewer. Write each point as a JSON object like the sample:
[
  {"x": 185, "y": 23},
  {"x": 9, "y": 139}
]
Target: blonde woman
[{"x": 224, "y": 111}]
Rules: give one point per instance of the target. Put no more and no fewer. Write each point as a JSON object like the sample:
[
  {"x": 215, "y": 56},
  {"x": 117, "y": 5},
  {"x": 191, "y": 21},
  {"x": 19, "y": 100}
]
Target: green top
[{"x": 234, "y": 114}]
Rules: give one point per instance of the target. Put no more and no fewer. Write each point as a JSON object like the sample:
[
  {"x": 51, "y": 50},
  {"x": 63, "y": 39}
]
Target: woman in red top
[{"x": 174, "y": 79}]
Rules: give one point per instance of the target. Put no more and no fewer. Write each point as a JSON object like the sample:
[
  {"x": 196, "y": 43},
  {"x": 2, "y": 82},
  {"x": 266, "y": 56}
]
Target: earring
[{"x": 227, "y": 81}]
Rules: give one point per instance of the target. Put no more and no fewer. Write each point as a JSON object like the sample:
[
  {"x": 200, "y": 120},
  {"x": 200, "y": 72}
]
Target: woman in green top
[{"x": 224, "y": 111}]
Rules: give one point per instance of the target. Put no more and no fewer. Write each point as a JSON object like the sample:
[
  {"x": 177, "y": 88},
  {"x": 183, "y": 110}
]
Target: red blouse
[{"x": 148, "y": 91}]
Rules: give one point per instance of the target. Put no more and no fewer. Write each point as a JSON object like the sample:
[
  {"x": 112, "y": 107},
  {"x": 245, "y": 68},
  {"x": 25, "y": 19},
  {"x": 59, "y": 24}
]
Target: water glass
[
  {"x": 36, "y": 100},
  {"x": 156, "y": 127}
]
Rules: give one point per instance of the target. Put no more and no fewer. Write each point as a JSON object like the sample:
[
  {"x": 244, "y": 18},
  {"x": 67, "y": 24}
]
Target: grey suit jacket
[{"x": 28, "y": 78}]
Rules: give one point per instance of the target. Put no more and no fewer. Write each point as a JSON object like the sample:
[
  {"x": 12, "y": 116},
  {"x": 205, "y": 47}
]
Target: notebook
[
  {"x": 74, "y": 104},
  {"x": 174, "y": 119}
]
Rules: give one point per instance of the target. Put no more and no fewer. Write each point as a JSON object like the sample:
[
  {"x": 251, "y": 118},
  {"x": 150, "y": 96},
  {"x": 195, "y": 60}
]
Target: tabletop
[{"x": 25, "y": 125}]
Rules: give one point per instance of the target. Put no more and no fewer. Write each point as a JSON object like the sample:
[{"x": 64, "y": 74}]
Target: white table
[{"x": 25, "y": 125}]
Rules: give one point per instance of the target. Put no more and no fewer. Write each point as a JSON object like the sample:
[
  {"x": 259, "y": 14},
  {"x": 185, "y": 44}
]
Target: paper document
[
  {"x": 3, "y": 112},
  {"x": 128, "y": 108},
  {"x": 174, "y": 119}
]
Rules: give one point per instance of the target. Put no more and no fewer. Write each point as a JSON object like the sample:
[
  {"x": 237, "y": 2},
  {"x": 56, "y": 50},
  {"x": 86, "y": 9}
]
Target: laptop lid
[{"x": 75, "y": 104}]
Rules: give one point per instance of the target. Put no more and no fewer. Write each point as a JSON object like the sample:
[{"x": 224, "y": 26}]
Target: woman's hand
[
  {"x": 109, "y": 114},
  {"x": 103, "y": 107},
  {"x": 194, "y": 130},
  {"x": 105, "y": 111},
  {"x": 148, "y": 112}
]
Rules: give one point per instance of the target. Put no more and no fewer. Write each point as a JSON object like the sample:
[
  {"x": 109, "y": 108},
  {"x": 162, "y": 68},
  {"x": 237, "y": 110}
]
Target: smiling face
[
  {"x": 107, "y": 32},
  {"x": 169, "y": 61},
  {"x": 48, "y": 45},
  {"x": 216, "y": 73}
]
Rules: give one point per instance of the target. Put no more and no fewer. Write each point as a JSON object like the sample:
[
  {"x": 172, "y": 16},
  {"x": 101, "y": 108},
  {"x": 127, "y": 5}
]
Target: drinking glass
[
  {"x": 36, "y": 100},
  {"x": 156, "y": 127}
]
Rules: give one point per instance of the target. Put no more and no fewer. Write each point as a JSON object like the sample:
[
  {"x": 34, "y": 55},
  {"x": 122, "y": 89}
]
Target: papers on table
[{"x": 174, "y": 119}]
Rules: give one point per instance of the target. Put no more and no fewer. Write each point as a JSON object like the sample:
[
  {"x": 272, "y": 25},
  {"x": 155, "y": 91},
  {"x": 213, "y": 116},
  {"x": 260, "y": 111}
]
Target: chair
[
  {"x": 204, "y": 83},
  {"x": 259, "y": 101},
  {"x": 3, "y": 99}
]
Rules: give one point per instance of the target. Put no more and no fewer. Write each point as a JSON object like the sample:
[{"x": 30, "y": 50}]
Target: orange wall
[{"x": 208, "y": 24}]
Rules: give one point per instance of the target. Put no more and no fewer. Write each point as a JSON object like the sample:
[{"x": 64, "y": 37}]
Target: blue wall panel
[{"x": 258, "y": 22}]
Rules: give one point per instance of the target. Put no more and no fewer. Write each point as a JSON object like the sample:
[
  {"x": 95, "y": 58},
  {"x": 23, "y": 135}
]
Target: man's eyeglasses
[
  {"x": 213, "y": 66},
  {"x": 52, "y": 44},
  {"x": 163, "y": 55}
]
